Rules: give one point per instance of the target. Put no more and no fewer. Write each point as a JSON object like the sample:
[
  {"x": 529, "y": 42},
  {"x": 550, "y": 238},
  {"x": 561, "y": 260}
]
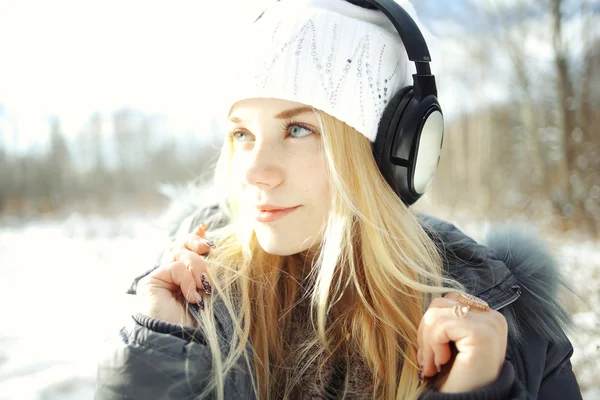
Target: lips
[
  {"x": 269, "y": 207},
  {"x": 270, "y": 213}
]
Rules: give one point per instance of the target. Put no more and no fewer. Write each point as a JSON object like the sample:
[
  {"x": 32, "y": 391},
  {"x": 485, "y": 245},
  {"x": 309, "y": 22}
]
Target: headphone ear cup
[
  {"x": 386, "y": 132},
  {"x": 414, "y": 152},
  {"x": 428, "y": 145},
  {"x": 408, "y": 143}
]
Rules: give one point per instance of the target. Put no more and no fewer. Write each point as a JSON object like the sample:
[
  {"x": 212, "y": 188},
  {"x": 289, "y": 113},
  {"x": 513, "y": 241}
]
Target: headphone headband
[
  {"x": 411, "y": 130},
  {"x": 414, "y": 43},
  {"x": 409, "y": 32}
]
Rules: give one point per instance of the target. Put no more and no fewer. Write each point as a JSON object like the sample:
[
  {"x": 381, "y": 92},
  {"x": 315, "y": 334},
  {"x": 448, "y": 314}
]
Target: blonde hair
[{"x": 376, "y": 270}]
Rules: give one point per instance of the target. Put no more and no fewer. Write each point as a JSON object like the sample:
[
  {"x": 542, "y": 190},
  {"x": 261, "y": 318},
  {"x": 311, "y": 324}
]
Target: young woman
[{"x": 319, "y": 281}]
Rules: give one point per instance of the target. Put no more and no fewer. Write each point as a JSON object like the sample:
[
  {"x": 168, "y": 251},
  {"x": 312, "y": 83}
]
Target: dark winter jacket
[{"x": 513, "y": 272}]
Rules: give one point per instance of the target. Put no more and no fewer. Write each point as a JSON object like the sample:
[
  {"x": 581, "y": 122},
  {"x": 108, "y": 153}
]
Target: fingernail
[
  {"x": 205, "y": 284},
  {"x": 201, "y": 303},
  {"x": 198, "y": 297},
  {"x": 210, "y": 243},
  {"x": 420, "y": 378}
]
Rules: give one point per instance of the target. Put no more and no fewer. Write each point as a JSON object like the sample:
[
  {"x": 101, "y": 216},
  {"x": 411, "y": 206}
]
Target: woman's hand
[
  {"x": 183, "y": 271},
  {"x": 479, "y": 338}
]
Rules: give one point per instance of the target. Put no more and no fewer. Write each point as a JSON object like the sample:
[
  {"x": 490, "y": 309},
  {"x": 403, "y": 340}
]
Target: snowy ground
[
  {"x": 62, "y": 291},
  {"x": 61, "y": 295}
]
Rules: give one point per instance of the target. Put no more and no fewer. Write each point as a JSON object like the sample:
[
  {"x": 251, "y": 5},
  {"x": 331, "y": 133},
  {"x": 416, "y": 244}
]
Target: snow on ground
[{"x": 62, "y": 290}]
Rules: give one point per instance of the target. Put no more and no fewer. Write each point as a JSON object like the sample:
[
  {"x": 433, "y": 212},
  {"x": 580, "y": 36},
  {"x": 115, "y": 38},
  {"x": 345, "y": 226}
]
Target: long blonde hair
[{"x": 376, "y": 271}]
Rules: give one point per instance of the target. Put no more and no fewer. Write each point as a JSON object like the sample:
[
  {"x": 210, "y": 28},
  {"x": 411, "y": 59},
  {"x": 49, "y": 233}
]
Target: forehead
[{"x": 267, "y": 108}]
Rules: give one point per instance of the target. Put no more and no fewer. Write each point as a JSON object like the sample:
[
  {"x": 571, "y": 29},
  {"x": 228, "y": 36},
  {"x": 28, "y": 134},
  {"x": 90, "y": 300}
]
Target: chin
[
  {"x": 278, "y": 249},
  {"x": 279, "y": 244}
]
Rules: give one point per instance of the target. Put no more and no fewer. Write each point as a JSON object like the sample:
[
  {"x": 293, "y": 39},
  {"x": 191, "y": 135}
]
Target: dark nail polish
[
  {"x": 205, "y": 284},
  {"x": 420, "y": 379},
  {"x": 201, "y": 304},
  {"x": 210, "y": 243}
]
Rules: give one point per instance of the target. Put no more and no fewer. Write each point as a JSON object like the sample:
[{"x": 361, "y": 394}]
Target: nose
[{"x": 265, "y": 166}]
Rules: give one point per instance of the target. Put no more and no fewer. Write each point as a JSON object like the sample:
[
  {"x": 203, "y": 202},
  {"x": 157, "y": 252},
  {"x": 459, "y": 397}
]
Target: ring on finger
[
  {"x": 472, "y": 301},
  {"x": 460, "y": 311}
]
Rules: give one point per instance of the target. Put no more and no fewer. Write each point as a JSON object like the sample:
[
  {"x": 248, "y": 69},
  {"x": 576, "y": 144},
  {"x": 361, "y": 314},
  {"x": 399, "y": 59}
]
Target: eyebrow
[{"x": 286, "y": 114}]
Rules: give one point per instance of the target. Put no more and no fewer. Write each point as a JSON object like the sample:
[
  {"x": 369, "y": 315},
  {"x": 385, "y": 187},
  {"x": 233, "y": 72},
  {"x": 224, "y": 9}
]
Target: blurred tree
[
  {"x": 97, "y": 143},
  {"x": 578, "y": 146},
  {"x": 5, "y": 178},
  {"x": 538, "y": 153},
  {"x": 98, "y": 179},
  {"x": 58, "y": 163}
]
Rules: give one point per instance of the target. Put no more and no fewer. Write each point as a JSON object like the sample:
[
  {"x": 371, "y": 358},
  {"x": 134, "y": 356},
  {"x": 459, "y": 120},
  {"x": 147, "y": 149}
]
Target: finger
[
  {"x": 440, "y": 350},
  {"x": 167, "y": 257},
  {"x": 174, "y": 249},
  {"x": 177, "y": 275},
  {"x": 200, "y": 230},
  {"x": 475, "y": 332},
  {"x": 420, "y": 344},
  {"x": 434, "y": 353},
  {"x": 197, "y": 267},
  {"x": 466, "y": 332},
  {"x": 189, "y": 286},
  {"x": 427, "y": 363},
  {"x": 175, "y": 244},
  {"x": 446, "y": 328},
  {"x": 198, "y": 244},
  {"x": 438, "y": 302}
]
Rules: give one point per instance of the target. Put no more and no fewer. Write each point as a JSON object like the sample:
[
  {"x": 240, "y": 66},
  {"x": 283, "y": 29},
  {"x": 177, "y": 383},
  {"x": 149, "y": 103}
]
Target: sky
[
  {"x": 74, "y": 57},
  {"x": 70, "y": 58}
]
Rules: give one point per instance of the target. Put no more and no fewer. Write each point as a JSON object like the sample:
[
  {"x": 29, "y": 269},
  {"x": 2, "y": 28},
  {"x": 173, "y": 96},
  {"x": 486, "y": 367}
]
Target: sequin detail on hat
[{"x": 333, "y": 57}]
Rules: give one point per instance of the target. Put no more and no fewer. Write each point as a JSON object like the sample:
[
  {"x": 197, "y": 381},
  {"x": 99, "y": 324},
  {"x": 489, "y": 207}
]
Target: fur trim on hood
[{"x": 530, "y": 261}]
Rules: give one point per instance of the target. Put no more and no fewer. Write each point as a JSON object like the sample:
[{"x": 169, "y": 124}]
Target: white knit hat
[{"x": 340, "y": 58}]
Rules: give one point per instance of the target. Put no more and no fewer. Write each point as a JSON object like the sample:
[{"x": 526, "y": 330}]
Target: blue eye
[
  {"x": 241, "y": 136},
  {"x": 298, "y": 131},
  {"x": 294, "y": 130}
]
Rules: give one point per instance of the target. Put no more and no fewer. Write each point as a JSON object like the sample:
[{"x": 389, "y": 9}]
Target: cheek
[
  {"x": 317, "y": 178},
  {"x": 236, "y": 182},
  {"x": 237, "y": 170},
  {"x": 317, "y": 188}
]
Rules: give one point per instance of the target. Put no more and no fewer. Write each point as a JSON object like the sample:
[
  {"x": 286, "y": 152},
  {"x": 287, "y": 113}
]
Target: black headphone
[
  {"x": 411, "y": 130},
  {"x": 409, "y": 140}
]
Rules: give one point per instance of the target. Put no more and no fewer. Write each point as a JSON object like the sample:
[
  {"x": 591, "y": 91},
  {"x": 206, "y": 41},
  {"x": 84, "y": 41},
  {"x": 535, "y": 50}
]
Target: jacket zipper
[{"x": 516, "y": 294}]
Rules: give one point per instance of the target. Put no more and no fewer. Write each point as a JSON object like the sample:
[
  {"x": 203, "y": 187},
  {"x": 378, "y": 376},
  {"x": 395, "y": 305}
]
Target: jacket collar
[{"x": 473, "y": 265}]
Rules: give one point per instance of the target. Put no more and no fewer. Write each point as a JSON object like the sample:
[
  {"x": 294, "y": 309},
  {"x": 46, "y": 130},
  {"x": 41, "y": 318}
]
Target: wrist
[
  {"x": 498, "y": 389},
  {"x": 469, "y": 384},
  {"x": 161, "y": 326},
  {"x": 461, "y": 380}
]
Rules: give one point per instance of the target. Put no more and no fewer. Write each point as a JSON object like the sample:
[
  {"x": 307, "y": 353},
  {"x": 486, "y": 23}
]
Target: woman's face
[{"x": 278, "y": 164}]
